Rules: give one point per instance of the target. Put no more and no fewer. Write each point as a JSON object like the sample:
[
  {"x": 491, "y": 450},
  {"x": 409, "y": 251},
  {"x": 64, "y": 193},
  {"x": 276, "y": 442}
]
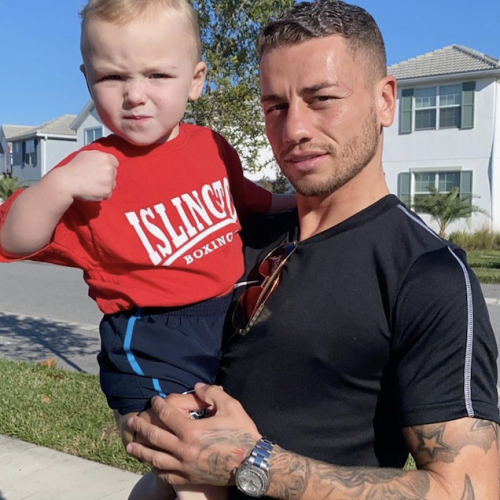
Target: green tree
[
  {"x": 7, "y": 187},
  {"x": 446, "y": 207},
  {"x": 231, "y": 101}
]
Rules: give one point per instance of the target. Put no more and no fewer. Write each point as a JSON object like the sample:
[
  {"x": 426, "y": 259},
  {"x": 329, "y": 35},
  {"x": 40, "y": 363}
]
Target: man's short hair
[
  {"x": 125, "y": 11},
  {"x": 321, "y": 18}
]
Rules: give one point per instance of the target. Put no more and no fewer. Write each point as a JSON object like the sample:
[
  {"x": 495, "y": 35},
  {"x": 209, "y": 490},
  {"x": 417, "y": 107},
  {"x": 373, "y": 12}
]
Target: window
[
  {"x": 450, "y": 101},
  {"x": 425, "y": 108},
  {"x": 92, "y": 134},
  {"x": 413, "y": 184},
  {"x": 431, "y": 108},
  {"x": 30, "y": 152}
]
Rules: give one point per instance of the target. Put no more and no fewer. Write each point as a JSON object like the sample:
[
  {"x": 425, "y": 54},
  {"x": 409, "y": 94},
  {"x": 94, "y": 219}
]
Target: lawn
[
  {"x": 486, "y": 264},
  {"x": 65, "y": 411}
]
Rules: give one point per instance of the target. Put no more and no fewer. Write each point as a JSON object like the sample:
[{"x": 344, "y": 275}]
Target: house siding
[
  {"x": 446, "y": 149},
  {"x": 91, "y": 121},
  {"x": 56, "y": 151},
  {"x": 494, "y": 167}
]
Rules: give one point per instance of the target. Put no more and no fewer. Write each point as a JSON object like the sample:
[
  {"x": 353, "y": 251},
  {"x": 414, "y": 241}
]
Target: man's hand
[
  {"x": 204, "y": 451},
  {"x": 90, "y": 176}
]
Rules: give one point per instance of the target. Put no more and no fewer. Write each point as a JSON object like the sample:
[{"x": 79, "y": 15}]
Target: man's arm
[
  {"x": 32, "y": 218},
  {"x": 456, "y": 460}
]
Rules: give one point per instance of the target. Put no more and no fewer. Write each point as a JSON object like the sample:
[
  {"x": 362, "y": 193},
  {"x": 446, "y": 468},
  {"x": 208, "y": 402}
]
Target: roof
[
  {"x": 13, "y": 130},
  {"x": 58, "y": 126},
  {"x": 446, "y": 61},
  {"x": 82, "y": 115}
]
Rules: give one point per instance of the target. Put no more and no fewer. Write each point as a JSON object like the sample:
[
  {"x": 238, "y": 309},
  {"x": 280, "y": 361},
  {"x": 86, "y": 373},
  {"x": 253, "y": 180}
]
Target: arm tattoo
[
  {"x": 469, "y": 490},
  {"x": 486, "y": 433},
  {"x": 348, "y": 483},
  {"x": 432, "y": 443}
]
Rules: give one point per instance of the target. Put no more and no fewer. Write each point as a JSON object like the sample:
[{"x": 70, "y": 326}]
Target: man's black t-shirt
[{"x": 377, "y": 324}]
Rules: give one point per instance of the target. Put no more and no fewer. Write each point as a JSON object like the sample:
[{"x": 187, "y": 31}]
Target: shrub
[
  {"x": 8, "y": 185},
  {"x": 483, "y": 239}
]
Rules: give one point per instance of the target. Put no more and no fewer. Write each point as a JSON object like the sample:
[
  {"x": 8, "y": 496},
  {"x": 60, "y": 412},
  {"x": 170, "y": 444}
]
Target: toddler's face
[{"x": 141, "y": 75}]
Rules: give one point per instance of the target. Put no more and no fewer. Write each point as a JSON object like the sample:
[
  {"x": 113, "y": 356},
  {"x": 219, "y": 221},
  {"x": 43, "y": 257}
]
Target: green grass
[
  {"x": 62, "y": 410},
  {"x": 485, "y": 264}
]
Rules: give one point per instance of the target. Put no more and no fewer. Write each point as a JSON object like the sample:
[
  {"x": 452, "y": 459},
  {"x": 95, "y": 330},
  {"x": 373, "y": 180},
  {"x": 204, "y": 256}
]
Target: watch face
[{"x": 252, "y": 481}]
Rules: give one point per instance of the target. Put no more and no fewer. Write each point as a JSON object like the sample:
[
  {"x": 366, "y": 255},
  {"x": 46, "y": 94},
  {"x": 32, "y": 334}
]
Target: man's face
[
  {"x": 141, "y": 75},
  {"x": 321, "y": 114}
]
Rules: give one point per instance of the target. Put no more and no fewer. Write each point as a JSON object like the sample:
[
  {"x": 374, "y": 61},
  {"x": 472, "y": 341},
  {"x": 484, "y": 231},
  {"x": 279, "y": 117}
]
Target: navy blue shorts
[{"x": 151, "y": 352}]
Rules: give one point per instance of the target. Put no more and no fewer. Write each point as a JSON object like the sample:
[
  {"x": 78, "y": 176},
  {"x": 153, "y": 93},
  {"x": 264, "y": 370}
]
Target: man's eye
[{"x": 275, "y": 108}]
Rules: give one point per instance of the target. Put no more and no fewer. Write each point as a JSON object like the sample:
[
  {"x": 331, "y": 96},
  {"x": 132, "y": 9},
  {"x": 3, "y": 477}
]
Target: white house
[
  {"x": 447, "y": 131},
  {"x": 28, "y": 153},
  {"x": 88, "y": 126},
  {"x": 6, "y": 134}
]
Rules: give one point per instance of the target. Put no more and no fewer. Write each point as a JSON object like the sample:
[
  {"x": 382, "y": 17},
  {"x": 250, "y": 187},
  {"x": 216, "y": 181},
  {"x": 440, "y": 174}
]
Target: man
[{"x": 368, "y": 337}]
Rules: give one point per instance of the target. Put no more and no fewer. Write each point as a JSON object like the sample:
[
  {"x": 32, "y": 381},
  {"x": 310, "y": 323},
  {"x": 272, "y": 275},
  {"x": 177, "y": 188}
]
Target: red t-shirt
[{"x": 169, "y": 234}]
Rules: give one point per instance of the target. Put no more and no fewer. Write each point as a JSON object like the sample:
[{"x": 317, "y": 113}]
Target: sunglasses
[{"x": 252, "y": 301}]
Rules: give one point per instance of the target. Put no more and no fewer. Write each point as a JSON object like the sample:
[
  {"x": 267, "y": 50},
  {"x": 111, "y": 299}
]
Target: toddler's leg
[
  {"x": 121, "y": 421},
  {"x": 200, "y": 492},
  {"x": 149, "y": 487}
]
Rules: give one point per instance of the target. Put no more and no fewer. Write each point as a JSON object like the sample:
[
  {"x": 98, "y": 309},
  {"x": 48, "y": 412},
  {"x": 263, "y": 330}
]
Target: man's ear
[
  {"x": 199, "y": 75},
  {"x": 386, "y": 95}
]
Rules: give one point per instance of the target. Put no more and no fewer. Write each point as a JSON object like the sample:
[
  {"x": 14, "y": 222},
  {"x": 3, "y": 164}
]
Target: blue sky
[{"x": 40, "y": 77}]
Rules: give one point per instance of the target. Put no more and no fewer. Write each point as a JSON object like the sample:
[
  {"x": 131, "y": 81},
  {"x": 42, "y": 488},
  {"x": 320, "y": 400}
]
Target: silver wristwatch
[{"x": 252, "y": 476}]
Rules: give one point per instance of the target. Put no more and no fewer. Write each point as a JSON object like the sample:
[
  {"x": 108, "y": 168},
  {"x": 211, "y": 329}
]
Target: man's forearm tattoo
[
  {"x": 292, "y": 475},
  {"x": 342, "y": 482}
]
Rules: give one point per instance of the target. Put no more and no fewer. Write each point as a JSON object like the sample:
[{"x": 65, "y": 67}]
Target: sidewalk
[{"x": 32, "y": 472}]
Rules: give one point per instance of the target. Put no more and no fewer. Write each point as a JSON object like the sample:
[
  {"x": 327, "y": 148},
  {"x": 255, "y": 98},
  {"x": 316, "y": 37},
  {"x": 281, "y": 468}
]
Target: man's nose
[{"x": 297, "y": 124}]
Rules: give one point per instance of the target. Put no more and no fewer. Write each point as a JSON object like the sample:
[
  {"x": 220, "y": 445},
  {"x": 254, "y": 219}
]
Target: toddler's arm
[{"x": 34, "y": 215}]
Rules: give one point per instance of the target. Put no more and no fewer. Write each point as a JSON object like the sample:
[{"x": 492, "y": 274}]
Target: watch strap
[{"x": 261, "y": 454}]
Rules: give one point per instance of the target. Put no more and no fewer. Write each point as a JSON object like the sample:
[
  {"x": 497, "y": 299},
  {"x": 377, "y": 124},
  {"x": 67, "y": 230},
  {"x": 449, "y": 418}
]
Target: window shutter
[
  {"x": 466, "y": 183},
  {"x": 405, "y": 123},
  {"x": 404, "y": 188},
  {"x": 468, "y": 91}
]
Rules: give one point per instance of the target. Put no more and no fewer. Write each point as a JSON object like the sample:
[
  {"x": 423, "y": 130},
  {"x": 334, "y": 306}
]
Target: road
[
  {"x": 46, "y": 291},
  {"x": 45, "y": 312}
]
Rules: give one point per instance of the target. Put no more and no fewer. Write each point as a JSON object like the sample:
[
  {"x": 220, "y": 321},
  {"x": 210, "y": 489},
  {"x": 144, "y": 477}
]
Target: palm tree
[
  {"x": 446, "y": 207},
  {"x": 8, "y": 185}
]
